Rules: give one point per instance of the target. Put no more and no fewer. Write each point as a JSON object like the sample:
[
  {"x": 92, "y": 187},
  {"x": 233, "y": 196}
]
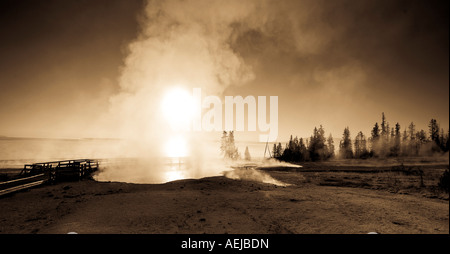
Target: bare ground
[{"x": 222, "y": 205}]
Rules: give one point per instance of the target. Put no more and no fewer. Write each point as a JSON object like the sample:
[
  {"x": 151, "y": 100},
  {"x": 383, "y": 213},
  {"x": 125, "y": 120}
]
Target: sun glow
[
  {"x": 176, "y": 147},
  {"x": 178, "y": 109},
  {"x": 174, "y": 175}
]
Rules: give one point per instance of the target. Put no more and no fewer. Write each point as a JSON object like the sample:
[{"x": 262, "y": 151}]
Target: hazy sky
[{"x": 66, "y": 64}]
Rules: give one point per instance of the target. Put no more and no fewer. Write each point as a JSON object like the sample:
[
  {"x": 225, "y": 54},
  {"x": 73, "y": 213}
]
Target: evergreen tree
[
  {"x": 375, "y": 131},
  {"x": 345, "y": 146},
  {"x": 303, "y": 151},
  {"x": 375, "y": 140},
  {"x": 383, "y": 146},
  {"x": 442, "y": 140},
  {"x": 227, "y": 146},
  {"x": 295, "y": 150},
  {"x": 434, "y": 134},
  {"x": 275, "y": 151},
  {"x": 247, "y": 154},
  {"x": 317, "y": 147},
  {"x": 405, "y": 144},
  {"x": 388, "y": 132},
  {"x": 421, "y": 139},
  {"x": 412, "y": 139},
  {"x": 360, "y": 146},
  {"x": 279, "y": 150},
  {"x": 330, "y": 145},
  {"x": 232, "y": 149},
  {"x": 447, "y": 143},
  {"x": 395, "y": 141},
  {"x": 384, "y": 128},
  {"x": 224, "y": 143}
]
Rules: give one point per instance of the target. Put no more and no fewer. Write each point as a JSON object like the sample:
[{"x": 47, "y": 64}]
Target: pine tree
[
  {"x": 345, "y": 147},
  {"x": 224, "y": 144},
  {"x": 360, "y": 146},
  {"x": 395, "y": 140},
  {"x": 447, "y": 143},
  {"x": 247, "y": 154},
  {"x": 405, "y": 144},
  {"x": 304, "y": 156},
  {"x": 330, "y": 145},
  {"x": 233, "y": 152},
  {"x": 227, "y": 146},
  {"x": 412, "y": 139},
  {"x": 421, "y": 138},
  {"x": 274, "y": 151},
  {"x": 375, "y": 131},
  {"x": 279, "y": 150},
  {"x": 317, "y": 146},
  {"x": 442, "y": 140},
  {"x": 375, "y": 140},
  {"x": 296, "y": 150},
  {"x": 434, "y": 134},
  {"x": 384, "y": 128},
  {"x": 384, "y": 137}
]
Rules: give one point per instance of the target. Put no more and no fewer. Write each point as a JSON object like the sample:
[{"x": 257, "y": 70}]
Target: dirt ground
[{"x": 222, "y": 205}]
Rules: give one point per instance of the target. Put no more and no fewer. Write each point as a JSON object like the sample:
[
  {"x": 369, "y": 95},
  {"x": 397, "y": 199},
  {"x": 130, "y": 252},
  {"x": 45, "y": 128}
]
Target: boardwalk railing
[{"x": 49, "y": 172}]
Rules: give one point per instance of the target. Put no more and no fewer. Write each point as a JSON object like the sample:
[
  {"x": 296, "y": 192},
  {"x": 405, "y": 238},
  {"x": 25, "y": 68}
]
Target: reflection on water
[
  {"x": 15, "y": 152},
  {"x": 175, "y": 169},
  {"x": 119, "y": 160},
  {"x": 155, "y": 170}
]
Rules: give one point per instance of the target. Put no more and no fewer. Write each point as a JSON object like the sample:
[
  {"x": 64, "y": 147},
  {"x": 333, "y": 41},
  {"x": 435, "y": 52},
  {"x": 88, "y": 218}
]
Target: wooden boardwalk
[{"x": 49, "y": 172}]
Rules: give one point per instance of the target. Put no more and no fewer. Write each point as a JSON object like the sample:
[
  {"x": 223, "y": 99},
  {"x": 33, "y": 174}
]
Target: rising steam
[
  {"x": 182, "y": 44},
  {"x": 195, "y": 43}
]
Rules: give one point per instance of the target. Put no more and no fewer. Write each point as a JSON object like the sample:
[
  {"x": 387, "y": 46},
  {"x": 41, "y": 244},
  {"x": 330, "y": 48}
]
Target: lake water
[{"x": 120, "y": 160}]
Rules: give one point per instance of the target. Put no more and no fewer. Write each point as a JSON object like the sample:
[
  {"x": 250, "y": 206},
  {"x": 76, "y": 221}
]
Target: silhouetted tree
[
  {"x": 441, "y": 138},
  {"x": 274, "y": 151},
  {"x": 345, "y": 147},
  {"x": 361, "y": 146},
  {"x": 421, "y": 139},
  {"x": 433, "y": 127},
  {"x": 247, "y": 154},
  {"x": 383, "y": 141},
  {"x": 374, "y": 140},
  {"x": 279, "y": 149},
  {"x": 404, "y": 149},
  {"x": 395, "y": 140},
  {"x": 317, "y": 147},
  {"x": 330, "y": 145},
  {"x": 304, "y": 155},
  {"x": 227, "y": 146},
  {"x": 443, "y": 141},
  {"x": 384, "y": 128},
  {"x": 383, "y": 144},
  {"x": 413, "y": 147},
  {"x": 375, "y": 131},
  {"x": 447, "y": 142},
  {"x": 224, "y": 143},
  {"x": 288, "y": 153}
]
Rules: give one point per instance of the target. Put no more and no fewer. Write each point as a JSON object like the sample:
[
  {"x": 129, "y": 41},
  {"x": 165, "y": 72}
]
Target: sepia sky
[{"x": 68, "y": 67}]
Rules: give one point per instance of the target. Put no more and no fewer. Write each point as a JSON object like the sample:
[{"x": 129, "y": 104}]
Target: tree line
[
  {"x": 228, "y": 147},
  {"x": 384, "y": 141}
]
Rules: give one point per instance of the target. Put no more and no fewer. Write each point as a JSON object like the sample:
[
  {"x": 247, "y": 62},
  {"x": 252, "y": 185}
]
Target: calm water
[{"x": 120, "y": 160}]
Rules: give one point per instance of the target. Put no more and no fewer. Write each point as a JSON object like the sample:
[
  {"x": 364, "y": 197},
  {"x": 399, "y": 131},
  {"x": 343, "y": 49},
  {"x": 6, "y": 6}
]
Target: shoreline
[{"x": 314, "y": 203}]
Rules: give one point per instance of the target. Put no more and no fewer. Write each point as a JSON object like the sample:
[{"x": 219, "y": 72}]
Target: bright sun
[
  {"x": 176, "y": 146},
  {"x": 178, "y": 108}
]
